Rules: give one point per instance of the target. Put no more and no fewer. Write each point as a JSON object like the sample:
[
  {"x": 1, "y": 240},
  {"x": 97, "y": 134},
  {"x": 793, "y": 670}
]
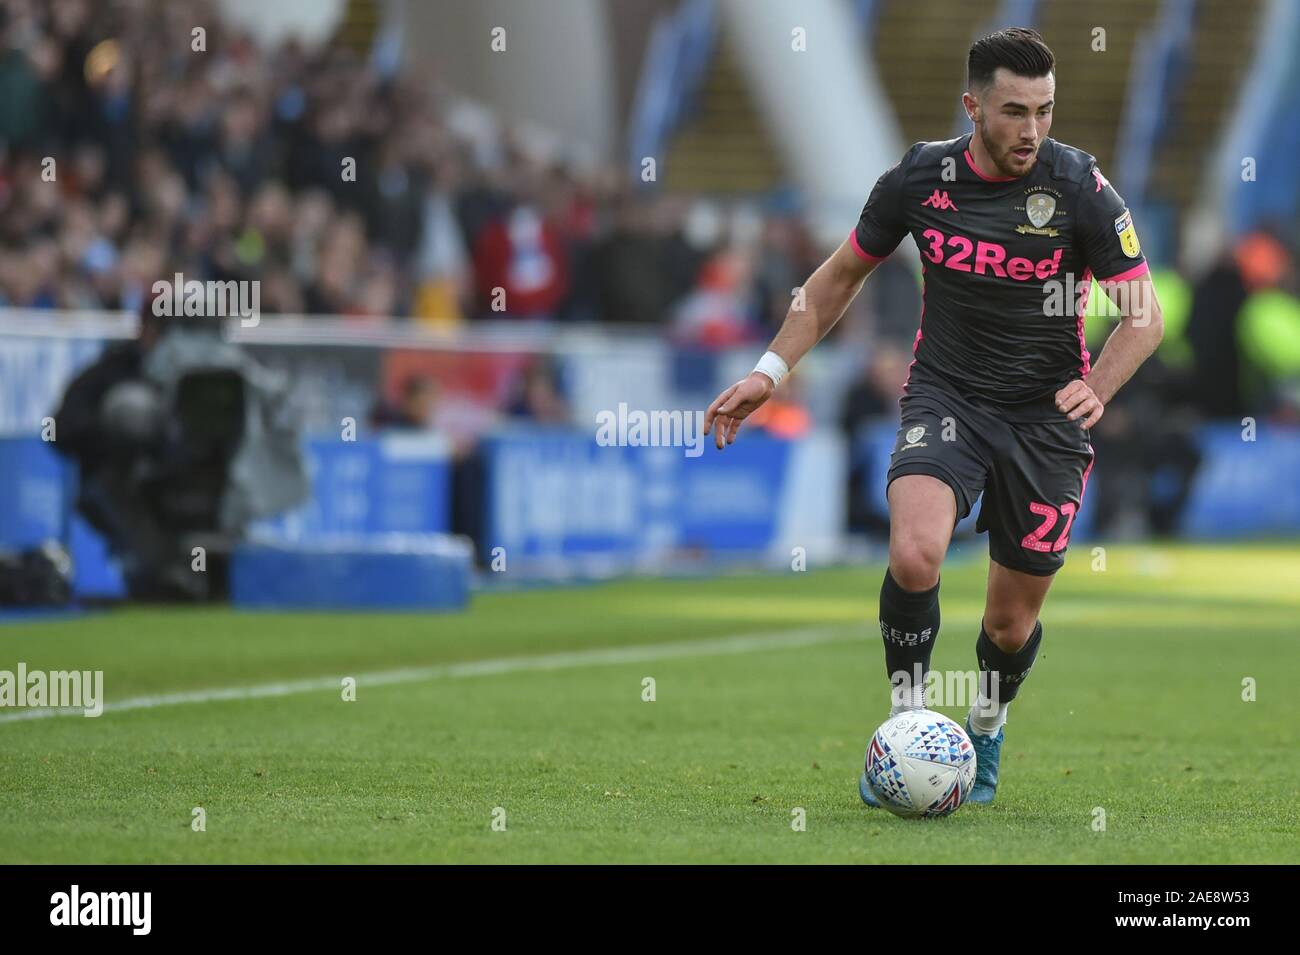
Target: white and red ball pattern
[{"x": 920, "y": 763}]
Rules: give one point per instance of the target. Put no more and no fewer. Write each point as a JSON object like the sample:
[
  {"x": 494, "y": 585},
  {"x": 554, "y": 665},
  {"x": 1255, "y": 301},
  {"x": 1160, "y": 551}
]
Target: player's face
[{"x": 1012, "y": 118}]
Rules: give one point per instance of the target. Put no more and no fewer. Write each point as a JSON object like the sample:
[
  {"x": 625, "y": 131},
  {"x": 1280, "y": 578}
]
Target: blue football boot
[
  {"x": 865, "y": 792},
  {"x": 988, "y": 753}
]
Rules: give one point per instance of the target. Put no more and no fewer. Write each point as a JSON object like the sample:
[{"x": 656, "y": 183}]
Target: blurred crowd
[
  {"x": 337, "y": 182},
  {"x": 347, "y": 186}
]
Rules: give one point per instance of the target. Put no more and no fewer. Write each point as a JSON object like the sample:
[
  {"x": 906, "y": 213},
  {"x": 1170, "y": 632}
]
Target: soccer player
[{"x": 1012, "y": 227}]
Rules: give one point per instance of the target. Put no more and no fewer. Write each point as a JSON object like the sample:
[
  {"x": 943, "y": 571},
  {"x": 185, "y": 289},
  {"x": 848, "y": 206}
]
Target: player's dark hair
[{"x": 1019, "y": 49}]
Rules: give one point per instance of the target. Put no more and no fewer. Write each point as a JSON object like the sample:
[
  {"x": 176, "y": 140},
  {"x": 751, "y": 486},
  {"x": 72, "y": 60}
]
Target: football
[{"x": 920, "y": 763}]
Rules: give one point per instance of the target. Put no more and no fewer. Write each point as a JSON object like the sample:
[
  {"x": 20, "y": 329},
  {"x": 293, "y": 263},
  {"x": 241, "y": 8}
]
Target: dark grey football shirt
[{"x": 1006, "y": 266}]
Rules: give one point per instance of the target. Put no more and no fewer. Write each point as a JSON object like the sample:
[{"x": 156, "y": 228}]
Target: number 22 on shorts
[{"x": 1034, "y": 539}]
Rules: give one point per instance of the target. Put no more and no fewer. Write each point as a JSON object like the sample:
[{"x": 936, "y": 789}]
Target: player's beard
[{"x": 1003, "y": 157}]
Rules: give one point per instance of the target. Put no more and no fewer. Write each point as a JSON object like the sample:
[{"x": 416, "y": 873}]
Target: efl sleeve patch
[{"x": 1128, "y": 240}]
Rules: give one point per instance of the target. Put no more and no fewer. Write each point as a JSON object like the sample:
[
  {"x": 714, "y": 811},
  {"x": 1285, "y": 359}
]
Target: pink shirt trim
[
  {"x": 1140, "y": 269},
  {"x": 863, "y": 253},
  {"x": 970, "y": 161}
]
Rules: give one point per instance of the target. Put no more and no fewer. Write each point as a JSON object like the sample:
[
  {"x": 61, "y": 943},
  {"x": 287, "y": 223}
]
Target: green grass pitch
[{"x": 1135, "y": 706}]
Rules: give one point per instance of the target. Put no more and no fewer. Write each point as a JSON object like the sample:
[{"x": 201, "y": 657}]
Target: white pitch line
[{"x": 605, "y": 656}]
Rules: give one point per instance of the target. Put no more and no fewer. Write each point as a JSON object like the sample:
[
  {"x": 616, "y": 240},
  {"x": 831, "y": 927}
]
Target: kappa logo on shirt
[{"x": 940, "y": 200}]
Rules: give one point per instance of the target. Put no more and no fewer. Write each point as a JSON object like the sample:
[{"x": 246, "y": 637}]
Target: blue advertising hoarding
[
  {"x": 394, "y": 483},
  {"x": 373, "y": 486},
  {"x": 559, "y": 494}
]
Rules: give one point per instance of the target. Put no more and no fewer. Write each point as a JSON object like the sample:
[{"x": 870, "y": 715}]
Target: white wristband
[{"x": 774, "y": 366}]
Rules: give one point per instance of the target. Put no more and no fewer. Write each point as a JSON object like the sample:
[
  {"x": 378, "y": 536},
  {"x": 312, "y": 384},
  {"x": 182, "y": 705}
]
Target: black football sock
[
  {"x": 909, "y": 624},
  {"x": 990, "y": 709}
]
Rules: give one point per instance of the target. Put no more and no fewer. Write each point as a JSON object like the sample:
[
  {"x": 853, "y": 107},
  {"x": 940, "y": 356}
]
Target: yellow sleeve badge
[{"x": 1128, "y": 237}]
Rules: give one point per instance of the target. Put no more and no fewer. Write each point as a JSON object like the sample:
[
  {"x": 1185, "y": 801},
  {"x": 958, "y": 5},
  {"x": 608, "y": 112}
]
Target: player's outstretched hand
[
  {"x": 1076, "y": 400},
  {"x": 736, "y": 404}
]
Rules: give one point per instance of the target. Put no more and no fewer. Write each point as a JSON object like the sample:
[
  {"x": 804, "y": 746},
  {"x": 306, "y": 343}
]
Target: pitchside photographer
[{"x": 181, "y": 440}]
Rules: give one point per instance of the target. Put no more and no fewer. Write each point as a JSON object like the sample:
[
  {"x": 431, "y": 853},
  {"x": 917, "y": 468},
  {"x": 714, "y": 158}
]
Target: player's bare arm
[
  {"x": 827, "y": 294},
  {"x": 1132, "y": 342}
]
